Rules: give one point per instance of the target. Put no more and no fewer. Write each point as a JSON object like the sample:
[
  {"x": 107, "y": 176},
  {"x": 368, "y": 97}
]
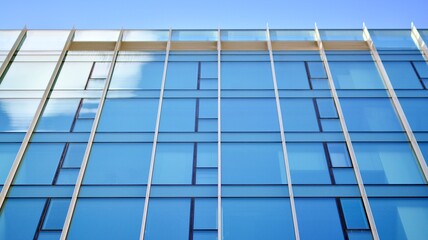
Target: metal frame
[
  {"x": 155, "y": 139},
  {"x": 347, "y": 136},
  {"x": 26, "y": 140},
  {"x": 219, "y": 206},
  {"x": 419, "y": 41},
  {"x": 284, "y": 148},
  {"x": 12, "y": 51},
  {"x": 79, "y": 181},
  {"x": 396, "y": 103}
]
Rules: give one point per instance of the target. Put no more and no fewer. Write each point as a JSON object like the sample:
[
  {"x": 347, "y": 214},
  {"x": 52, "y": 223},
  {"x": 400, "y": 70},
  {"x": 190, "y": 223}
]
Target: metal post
[
  {"x": 281, "y": 127},
  {"x": 347, "y": 137},
  {"x": 36, "y": 117},
  {"x": 79, "y": 181},
  {"x": 219, "y": 206},
  {"x": 155, "y": 139}
]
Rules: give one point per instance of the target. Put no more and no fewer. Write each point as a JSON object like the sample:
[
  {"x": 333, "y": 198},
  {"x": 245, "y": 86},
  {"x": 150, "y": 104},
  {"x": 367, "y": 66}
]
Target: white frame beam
[
  {"x": 419, "y": 41},
  {"x": 219, "y": 206}
]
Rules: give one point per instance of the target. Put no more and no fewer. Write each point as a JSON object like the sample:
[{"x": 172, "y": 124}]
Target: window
[
  {"x": 387, "y": 163},
  {"x": 17, "y": 114},
  {"x": 182, "y": 75},
  {"x": 58, "y": 115},
  {"x": 291, "y": 75},
  {"x": 416, "y": 112},
  {"x": 402, "y": 75},
  {"x": 246, "y": 75},
  {"x": 178, "y": 115},
  {"x": 298, "y": 115},
  {"x": 137, "y": 75},
  {"x": 253, "y": 163},
  {"x": 8, "y": 152},
  {"x": 355, "y": 75},
  {"x": 73, "y": 75},
  {"x": 27, "y": 75},
  {"x": 173, "y": 163}
]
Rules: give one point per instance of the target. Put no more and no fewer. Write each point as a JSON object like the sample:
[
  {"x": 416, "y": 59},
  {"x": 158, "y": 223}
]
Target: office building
[{"x": 214, "y": 134}]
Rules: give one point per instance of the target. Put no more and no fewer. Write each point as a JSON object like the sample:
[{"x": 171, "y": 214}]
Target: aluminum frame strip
[
  {"x": 82, "y": 170},
  {"x": 396, "y": 103},
  {"x": 284, "y": 148},
  {"x": 12, "y": 51},
  {"x": 419, "y": 41},
  {"x": 347, "y": 136},
  {"x": 155, "y": 139},
  {"x": 219, "y": 206},
  {"x": 26, "y": 140}
]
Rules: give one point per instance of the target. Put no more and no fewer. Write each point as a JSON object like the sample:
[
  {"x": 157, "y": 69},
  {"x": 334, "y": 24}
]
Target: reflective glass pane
[
  {"x": 246, "y": 75},
  {"x": 339, "y": 155},
  {"x": 140, "y": 115},
  {"x": 178, "y": 115},
  {"x": 251, "y": 115},
  {"x": 318, "y": 218},
  {"x": 205, "y": 213},
  {"x": 243, "y": 35},
  {"x": 209, "y": 70},
  {"x": 182, "y": 75},
  {"x": 39, "y": 164},
  {"x": 207, "y": 155},
  {"x": 73, "y": 75},
  {"x": 194, "y": 35},
  {"x": 341, "y": 35},
  {"x": 354, "y": 213},
  {"x": 27, "y": 76},
  {"x": 402, "y": 75},
  {"x": 326, "y": 108},
  {"x": 298, "y": 115},
  {"x": 8, "y": 152},
  {"x": 7, "y": 39},
  {"x": 137, "y": 75},
  {"x": 292, "y": 35},
  {"x": 145, "y": 35},
  {"x": 392, "y": 39},
  {"x": 291, "y": 75},
  {"x": 316, "y": 70},
  {"x": 369, "y": 114},
  {"x": 58, "y": 115},
  {"x": 173, "y": 214},
  {"x": 253, "y": 163},
  {"x": 416, "y": 110},
  {"x": 387, "y": 163},
  {"x": 355, "y": 75},
  {"x": 40, "y": 40},
  {"x": 422, "y": 68},
  {"x": 56, "y": 214},
  {"x": 74, "y": 156},
  {"x": 257, "y": 218},
  {"x": 107, "y": 218},
  {"x": 308, "y": 164},
  {"x": 173, "y": 163},
  {"x": 17, "y": 114},
  {"x": 400, "y": 218},
  {"x": 96, "y": 35},
  {"x": 118, "y": 163}
]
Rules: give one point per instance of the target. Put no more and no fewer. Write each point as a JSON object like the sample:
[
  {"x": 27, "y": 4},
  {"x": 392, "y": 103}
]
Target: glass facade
[{"x": 213, "y": 134}]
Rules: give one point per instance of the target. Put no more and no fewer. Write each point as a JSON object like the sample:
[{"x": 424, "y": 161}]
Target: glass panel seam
[
  {"x": 155, "y": 139},
  {"x": 347, "y": 136},
  {"x": 281, "y": 128},
  {"x": 396, "y": 103},
  {"x": 14, "y": 169},
  {"x": 79, "y": 180}
]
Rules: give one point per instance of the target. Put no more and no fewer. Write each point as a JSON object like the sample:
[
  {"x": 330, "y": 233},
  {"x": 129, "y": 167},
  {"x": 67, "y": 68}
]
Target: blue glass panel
[
  {"x": 73, "y": 75},
  {"x": 205, "y": 213},
  {"x": 207, "y": 108},
  {"x": 402, "y": 75},
  {"x": 246, "y": 75},
  {"x": 19, "y": 218},
  {"x": 14, "y": 117},
  {"x": 206, "y": 176},
  {"x": 67, "y": 176},
  {"x": 204, "y": 235},
  {"x": 339, "y": 155},
  {"x": 253, "y": 163},
  {"x": 331, "y": 125},
  {"x": 182, "y": 75},
  {"x": 308, "y": 164},
  {"x": 422, "y": 68},
  {"x": 56, "y": 214},
  {"x": 318, "y": 218},
  {"x": 49, "y": 235},
  {"x": 326, "y": 108},
  {"x": 83, "y": 125},
  {"x": 173, "y": 214},
  {"x": 369, "y": 114},
  {"x": 74, "y": 156},
  {"x": 355, "y": 75},
  {"x": 207, "y": 125},
  {"x": 359, "y": 235},
  {"x": 257, "y": 218},
  {"x": 178, "y": 115},
  {"x": 39, "y": 164},
  {"x": 173, "y": 163},
  {"x": 208, "y": 84},
  {"x": 416, "y": 110},
  {"x": 387, "y": 163},
  {"x": 8, "y": 152},
  {"x": 194, "y": 35},
  {"x": 341, "y": 35},
  {"x": 89, "y": 108},
  {"x": 27, "y": 75},
  {"x": 207, "y": 155},
  {"x": 209, "y": 70},
  {"x": 392, "y": 39},
  {"x": 354, "y": 213},
  {"x": 292, "y": 35},
  {"x": 424, "y": 149},
  {"x": 140, "y": 115},
  {"x": 299, "y": 115},
  {"x": 243, "y": 35},
  {"x": 291, "y": 75},
  {"x": 107, "y": 218},
  {"x": 137, "y": 75},
  {"x": 400, "y": 218},
  {"x": 316, "y": 70},
  {"x": 146, "y": 35},
  {"x": 118, "y": 163},
  {"x": 344, "y": 176},
  {"x": 320, "y": 84},
  {"x": 58, "y": 115},
  {"x": 252, "y": 115}
]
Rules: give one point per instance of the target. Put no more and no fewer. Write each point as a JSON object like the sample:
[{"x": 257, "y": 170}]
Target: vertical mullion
[
  {"x": 347, "y": 137},
  {"x": 36, "y": 117},
  {"x": 396, "y": 103},
  {"x": 219, "y": 206},
  {"x": 155, "y": 139},
  {"x": 284, "y": 148},
  {"x": 79, "y": 181},
  {"x": 419, "y": 42},
  {"x": 13, "y": 50}
]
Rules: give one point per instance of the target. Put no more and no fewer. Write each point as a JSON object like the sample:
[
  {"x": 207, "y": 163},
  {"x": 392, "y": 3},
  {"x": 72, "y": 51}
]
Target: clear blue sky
[{"x": 142, "y": 14}]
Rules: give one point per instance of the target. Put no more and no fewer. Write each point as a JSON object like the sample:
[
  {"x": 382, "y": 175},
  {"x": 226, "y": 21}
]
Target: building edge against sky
[{"x": 172, "y": 134}]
